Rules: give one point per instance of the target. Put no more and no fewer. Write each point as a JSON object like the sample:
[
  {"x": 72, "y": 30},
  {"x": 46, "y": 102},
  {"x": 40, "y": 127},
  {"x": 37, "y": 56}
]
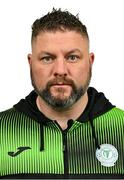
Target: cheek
[
  {"x": 39, "y": 77},
  {"x": 82, "y": 74}
]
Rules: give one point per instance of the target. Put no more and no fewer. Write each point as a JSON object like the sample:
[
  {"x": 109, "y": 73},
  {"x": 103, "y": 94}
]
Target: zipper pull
[{"x": 63, "y": 147}]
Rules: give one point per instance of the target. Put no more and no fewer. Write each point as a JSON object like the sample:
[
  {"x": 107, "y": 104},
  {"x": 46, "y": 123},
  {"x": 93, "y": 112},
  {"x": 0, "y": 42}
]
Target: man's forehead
[{"x": 70, "y": 40}]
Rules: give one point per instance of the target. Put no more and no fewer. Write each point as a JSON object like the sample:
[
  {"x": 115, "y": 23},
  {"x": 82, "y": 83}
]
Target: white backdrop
[{"x": 105, "y": 22}]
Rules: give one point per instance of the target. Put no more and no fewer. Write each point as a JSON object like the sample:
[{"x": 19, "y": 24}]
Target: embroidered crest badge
[{"x": 107, "y": 155}]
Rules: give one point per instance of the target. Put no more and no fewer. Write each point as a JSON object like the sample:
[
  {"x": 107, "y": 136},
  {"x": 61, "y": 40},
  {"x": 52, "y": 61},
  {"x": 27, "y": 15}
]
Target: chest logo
[
  {"x": 107, "y": 155},
  {"x": 19, "y": 150}
]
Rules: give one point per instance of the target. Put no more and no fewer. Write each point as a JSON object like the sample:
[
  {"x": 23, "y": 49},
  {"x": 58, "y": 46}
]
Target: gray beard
[{"x": 59, "y": 104}]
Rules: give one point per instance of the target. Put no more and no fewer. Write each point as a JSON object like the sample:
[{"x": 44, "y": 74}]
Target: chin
[{"x": 61, "y": 97}]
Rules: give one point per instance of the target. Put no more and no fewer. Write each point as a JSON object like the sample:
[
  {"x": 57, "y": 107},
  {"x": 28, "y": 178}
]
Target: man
[{"x": 63, "y": 128}]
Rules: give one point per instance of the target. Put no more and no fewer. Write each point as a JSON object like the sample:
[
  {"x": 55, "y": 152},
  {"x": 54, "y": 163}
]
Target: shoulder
[
  {"x": 9, "y": 113},
  {"x": 117, "y": 112},
  {"x": 113, "y": 117},
  {"x": 116, "y": 115}
]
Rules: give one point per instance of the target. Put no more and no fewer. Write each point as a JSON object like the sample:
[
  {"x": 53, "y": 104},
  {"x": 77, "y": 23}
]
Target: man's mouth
[{"x": 61, "y": 85}]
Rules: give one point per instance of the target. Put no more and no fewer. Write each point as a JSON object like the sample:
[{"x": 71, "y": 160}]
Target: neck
[{"x": 62, "y": 117}]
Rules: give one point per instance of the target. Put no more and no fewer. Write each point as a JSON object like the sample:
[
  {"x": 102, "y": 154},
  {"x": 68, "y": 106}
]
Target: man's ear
[
  {"x": 29, "y": 56},
  {"x": 91, "y": 58}
]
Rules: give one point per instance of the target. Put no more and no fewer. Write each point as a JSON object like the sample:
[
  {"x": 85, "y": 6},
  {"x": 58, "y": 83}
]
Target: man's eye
[
  {"x": 47, "y": 59},
  {"x": 73, "y": 58}
]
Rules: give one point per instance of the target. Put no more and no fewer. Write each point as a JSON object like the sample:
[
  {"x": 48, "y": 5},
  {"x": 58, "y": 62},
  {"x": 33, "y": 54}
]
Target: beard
[{"x": 57, "y": 103}]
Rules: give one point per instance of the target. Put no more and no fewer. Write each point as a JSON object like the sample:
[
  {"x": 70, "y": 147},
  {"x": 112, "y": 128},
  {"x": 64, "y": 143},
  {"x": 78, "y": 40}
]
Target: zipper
[
  {"x": 65, "y": 153},
  {"x": 65, "y": 149},
  {"x": 64, "y": 141}
]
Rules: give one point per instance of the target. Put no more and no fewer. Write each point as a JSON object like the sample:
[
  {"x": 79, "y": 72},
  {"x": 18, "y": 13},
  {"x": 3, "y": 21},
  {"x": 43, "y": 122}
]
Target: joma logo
[{"x": 19, "y": 150}]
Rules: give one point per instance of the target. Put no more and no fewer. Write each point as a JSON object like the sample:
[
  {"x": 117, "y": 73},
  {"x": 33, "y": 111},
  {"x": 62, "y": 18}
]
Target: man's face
[{"x": 60, "y": 66}]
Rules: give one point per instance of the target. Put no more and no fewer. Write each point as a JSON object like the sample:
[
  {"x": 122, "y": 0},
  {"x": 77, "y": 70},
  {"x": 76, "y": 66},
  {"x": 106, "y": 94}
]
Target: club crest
[{"x": 107, "y": 155}]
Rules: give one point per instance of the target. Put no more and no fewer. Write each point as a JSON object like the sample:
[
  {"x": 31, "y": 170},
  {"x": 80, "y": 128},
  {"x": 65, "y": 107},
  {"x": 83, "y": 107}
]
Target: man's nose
[{"x": 60, "y": 68}]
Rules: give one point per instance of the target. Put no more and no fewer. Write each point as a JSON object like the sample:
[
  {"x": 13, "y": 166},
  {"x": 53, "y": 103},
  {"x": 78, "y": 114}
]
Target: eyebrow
[
  {"x": 74, "y": 50},
  {"x": 45, "y": 53}
]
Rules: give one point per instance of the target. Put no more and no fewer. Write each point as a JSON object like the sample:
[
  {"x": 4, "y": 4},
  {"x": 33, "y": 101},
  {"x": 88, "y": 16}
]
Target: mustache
[{"x": 59, "y": 81}]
